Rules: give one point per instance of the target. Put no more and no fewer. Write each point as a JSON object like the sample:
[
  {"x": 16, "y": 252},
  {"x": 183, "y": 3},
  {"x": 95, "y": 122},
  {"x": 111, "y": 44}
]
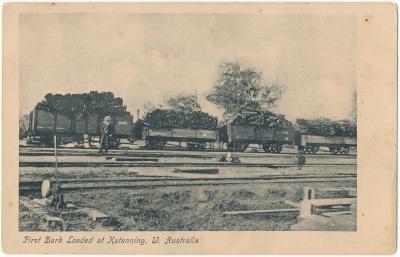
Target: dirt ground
[
  {"x": 185, "y": 208},
  {"x": 195, "y": 208}
]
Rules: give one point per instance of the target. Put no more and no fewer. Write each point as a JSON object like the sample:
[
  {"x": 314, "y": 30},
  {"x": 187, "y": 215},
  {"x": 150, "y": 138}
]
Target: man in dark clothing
[
  {"x": 300, "y": 160},
  {"x": 107, "y": 129}
]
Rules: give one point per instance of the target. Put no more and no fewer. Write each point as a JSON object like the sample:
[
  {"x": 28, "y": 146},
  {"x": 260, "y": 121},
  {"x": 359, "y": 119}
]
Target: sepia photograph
[
  {"x": 155, "y": 126},
  {"x": 187, "y": 122}
]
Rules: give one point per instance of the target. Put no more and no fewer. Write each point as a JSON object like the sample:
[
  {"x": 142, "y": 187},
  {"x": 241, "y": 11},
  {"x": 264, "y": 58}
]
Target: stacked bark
[
  {"x": 168, "y": 119},
  {"x": 261, "y": 119},
  {"x": 327, "y": 127},
  {"x": 73, "y": 105}
]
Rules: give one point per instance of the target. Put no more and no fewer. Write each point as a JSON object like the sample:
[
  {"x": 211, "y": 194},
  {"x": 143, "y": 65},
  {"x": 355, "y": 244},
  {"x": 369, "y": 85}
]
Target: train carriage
[
  {"x": 239, "y": 137},
  {"x": 44, "y": 124},
  {"x": 336, "y": 145},
  {"x": 195, "y": 139}
]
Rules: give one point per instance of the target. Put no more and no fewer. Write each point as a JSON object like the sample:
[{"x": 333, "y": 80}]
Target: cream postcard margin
[{"x": 377, "y": 139}]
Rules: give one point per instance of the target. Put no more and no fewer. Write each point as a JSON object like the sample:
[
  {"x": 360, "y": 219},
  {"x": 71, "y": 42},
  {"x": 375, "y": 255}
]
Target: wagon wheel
[
  {"x": 314, "y": 149},
  {"x": 245, "y": 146},
  {"x": 266, "y": 148},
  {"x": 116, "y": 142},
  {"x": 334, "y": 150},
  {"x": 309, "y": 149},
  {"x": 236, "y": 147},
  {"x": 344, "y": 150},
  {"x": 230, "y": 146},
  {"x": 278, "y": 148},
  {"x": 242, "y": 147},
  {"x": 202, "y": 148}
]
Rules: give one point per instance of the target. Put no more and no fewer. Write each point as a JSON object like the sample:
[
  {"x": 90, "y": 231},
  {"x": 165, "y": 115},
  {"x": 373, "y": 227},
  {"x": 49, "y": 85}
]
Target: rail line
[
  {"x": 26, "y": 187},
  {"x": 171, "y": 164},
  {"x": 168, "y": 154}
]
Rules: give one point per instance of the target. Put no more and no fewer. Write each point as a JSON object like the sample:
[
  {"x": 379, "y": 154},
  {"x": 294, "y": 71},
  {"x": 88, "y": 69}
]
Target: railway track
[
  {"x": 166, "y": 153},
  {"x": 27, "y": 187},
  {"x": 171, "y": 164}
]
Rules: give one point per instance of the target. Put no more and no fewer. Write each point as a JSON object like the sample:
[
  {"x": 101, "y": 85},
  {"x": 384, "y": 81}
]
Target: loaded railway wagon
[
  {"x": 44, "y": 124},
  {"x": 195, "y": 139},
  {"x": 336, "y": 145},
  {"x": 239, "y": 137}
]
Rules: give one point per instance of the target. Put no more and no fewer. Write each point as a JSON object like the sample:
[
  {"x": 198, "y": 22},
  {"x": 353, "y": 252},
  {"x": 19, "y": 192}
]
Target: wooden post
[
  {"x": 86, "y": 143},
  {"x": 308, "y": 193},
  {"x": 55, "y": 156},
  {"x": 305, "y": 205}
]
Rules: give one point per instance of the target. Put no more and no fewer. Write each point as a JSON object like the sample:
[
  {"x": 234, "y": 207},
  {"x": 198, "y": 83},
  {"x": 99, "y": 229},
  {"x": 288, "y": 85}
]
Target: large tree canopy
[
  {"x": 183, "y": 103},
  {"x": 242, "y": 89}
]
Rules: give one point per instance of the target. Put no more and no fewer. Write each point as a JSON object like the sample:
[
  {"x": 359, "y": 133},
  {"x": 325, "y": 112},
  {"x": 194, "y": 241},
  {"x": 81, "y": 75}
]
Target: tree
[
  {"x": 242, "y": 90},
  {"x": 183, "y": 103},
  {"x": 149, "y": 107}
]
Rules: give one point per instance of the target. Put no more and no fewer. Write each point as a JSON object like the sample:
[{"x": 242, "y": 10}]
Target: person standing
[
  {"x": 107, "y": 130},
  {"x": 300, "y": 160}
]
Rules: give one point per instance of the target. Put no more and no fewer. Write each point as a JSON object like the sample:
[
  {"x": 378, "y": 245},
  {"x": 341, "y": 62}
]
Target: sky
[{"x": 151, "y": 57}]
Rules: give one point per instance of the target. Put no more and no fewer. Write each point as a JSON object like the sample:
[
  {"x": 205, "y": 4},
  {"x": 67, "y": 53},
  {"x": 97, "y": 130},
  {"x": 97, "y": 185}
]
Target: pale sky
[{"x": 150, "y": 57}]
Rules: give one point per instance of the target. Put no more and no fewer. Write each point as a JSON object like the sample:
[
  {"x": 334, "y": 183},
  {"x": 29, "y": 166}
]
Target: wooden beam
[
  {"x": 197, "y": 171},
  {"x": 331, "y": 202},
  {"x": 135, "y": 159},
  {"x": 95, "y": 215},
  {"x": 260, "y": 212}
]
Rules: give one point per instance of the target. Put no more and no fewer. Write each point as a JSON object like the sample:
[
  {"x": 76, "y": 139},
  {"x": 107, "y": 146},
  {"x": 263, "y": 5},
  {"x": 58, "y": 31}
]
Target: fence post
[{"x": 305, "y": 205}]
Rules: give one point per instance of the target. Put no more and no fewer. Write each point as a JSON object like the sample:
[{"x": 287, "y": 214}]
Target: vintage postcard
[{"x": 194, "y": 128}]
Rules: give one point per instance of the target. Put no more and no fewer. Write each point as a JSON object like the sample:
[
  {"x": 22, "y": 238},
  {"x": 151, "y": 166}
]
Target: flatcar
[
  {"x": 195, "y": 139},
  {"x": 337, "y": 145},
  {"x": 43, "y": 124},
  {"x": 238, "y": 138}
]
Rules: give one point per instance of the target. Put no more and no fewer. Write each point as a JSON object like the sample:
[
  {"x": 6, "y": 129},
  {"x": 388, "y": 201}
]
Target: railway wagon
[
  {"x": 336, "y": 145},
  {"x": 239, "y": 137},
  {"x": 195, "y": 139},
  {"x": 44, "y": 124}
]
